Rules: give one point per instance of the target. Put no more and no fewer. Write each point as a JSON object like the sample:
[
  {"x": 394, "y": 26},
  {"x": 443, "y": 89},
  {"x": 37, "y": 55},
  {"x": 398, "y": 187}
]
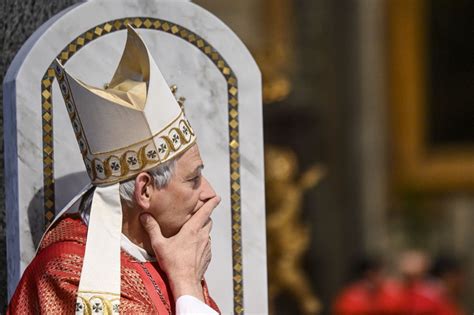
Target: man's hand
[{"x": 184, "y": 257}]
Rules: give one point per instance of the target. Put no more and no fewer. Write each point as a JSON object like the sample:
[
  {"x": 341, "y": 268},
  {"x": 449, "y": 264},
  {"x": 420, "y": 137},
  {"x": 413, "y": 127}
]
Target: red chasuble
[{"x": 49, "y": 284}]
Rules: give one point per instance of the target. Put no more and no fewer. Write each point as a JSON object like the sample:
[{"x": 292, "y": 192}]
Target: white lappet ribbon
[{"x": 99, "y": 287}]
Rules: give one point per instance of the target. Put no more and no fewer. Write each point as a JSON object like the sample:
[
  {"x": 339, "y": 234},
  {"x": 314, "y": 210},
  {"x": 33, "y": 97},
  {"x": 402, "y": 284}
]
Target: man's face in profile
[{"x": 186, "y": 192}]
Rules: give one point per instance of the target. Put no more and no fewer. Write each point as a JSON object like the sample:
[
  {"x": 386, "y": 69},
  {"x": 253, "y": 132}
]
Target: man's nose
[{"x": 207, "y": 191}]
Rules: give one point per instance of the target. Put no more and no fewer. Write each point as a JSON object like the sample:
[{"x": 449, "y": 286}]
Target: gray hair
[{"x": 161, "y": 177}]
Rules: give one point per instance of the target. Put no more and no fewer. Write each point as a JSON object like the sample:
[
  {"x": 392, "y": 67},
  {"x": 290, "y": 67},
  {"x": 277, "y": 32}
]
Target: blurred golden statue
[{"x": 288, "y": 237}]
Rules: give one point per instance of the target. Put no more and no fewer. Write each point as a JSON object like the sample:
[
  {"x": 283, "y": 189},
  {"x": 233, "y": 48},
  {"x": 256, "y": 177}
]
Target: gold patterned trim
[{"x": 233, "y": 124}]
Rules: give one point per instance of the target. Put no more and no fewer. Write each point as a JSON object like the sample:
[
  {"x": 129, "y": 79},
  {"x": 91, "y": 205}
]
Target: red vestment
[
  {"x": 424, "y": 297},
  {"x": 361, "y": 298},
  {"x": 393, "y": 298},
  {"x": 49, "y": 284}
]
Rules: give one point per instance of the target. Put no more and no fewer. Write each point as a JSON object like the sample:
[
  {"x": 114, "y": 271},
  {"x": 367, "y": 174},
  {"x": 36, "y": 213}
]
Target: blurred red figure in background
[
  {"x": 370, "y": 292},
  {"x": 437, "y": 295},
  {"x": 449, "y": 277},
  {"x": 417, "y": 293}
]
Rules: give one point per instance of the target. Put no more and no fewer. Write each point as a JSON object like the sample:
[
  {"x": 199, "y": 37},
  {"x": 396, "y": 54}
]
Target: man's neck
[{"x": 133, "y": 229}]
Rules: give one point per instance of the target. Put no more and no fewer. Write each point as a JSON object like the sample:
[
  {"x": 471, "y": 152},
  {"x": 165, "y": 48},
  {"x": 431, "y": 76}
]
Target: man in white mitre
[{"x": 140, "y": 243}]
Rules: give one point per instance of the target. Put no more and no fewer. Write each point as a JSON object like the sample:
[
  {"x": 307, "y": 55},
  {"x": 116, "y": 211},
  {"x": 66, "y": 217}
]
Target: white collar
[{"x": 134, "y": 250}]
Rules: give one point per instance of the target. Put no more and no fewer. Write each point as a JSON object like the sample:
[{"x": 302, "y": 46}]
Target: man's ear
[{"x": 143, "y": 189}]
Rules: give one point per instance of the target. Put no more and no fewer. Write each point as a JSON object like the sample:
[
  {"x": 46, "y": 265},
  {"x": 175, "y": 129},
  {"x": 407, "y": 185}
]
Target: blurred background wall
[
  {"x": 369, "y": 128},
  {"x": 369, "y": 123}
]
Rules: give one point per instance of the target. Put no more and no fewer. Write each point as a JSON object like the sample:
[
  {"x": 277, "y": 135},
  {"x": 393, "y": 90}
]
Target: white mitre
[{"x": 131, "y": 126}]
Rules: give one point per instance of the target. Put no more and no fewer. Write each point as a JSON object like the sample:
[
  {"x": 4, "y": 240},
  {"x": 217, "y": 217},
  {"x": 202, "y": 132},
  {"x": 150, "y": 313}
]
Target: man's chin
[{"x": 172, "y": 231}]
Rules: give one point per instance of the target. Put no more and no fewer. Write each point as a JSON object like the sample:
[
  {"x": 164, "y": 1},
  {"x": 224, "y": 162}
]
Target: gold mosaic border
[{"x": 233, "y": 122}]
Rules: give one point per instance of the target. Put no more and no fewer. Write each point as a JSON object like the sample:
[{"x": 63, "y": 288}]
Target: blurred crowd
[{"x": 420, "y": 285}]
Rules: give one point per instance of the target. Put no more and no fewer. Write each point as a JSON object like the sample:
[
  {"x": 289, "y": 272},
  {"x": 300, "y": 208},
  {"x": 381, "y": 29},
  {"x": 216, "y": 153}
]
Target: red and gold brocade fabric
[{"x": 49, "y": 284}]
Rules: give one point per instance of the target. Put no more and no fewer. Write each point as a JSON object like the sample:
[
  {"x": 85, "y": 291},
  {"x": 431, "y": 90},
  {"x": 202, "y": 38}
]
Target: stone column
[{"x": 371, "y": 124}]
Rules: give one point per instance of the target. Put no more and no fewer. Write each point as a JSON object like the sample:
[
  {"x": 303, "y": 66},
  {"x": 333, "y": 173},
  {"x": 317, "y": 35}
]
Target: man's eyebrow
[{"x": 198, "y": 169}]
